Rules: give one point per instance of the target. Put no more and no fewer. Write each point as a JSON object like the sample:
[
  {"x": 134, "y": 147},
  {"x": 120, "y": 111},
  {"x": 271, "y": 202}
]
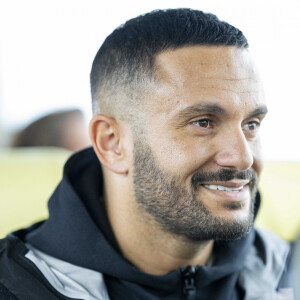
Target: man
[{"x": 177, "y": 107}]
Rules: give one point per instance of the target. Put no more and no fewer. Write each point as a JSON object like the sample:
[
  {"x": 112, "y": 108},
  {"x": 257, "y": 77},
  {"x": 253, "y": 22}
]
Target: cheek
[{"x": 182, "y": 155}]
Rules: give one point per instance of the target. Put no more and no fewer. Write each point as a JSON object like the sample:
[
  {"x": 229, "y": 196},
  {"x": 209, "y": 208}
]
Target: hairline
[{"x": 151, "y": 75}]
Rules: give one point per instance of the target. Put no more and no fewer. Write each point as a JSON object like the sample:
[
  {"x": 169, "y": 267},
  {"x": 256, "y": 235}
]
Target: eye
[
  {"x": 252, "y": 126},
  {"x": 203, "y": 123}
]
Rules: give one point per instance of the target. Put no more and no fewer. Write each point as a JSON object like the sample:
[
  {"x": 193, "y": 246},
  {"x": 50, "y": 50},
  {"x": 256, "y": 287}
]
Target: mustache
[{"x": 223, "y": 175}]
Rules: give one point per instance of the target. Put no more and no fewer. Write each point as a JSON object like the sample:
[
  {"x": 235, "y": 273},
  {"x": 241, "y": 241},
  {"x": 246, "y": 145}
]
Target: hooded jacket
[{"x": 77, "y": 237}]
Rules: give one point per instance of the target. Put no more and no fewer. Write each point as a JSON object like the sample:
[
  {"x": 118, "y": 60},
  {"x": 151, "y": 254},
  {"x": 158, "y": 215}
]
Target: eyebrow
[
  {"x": 262, "y": 110},
  {"x": 217, "y": 110},
  {"x": 202, "y": 109}
]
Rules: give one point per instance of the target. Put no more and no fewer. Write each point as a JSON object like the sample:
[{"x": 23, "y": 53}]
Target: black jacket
[{"x": 78, "y": 232}]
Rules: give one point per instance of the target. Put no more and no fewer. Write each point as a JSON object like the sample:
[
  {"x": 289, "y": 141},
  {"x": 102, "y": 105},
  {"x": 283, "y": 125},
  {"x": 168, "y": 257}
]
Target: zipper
[{"x": 189, "y": 287}]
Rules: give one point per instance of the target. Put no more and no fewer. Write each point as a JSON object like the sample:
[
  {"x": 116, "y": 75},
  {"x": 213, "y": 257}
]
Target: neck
[
  {"x": 146, "y": 245},
  {"x": 159, "y": 253}
]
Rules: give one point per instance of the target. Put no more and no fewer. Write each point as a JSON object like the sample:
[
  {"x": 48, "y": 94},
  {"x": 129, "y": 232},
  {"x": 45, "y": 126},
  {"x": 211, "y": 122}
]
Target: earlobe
[{"x": 105, "y": 133}]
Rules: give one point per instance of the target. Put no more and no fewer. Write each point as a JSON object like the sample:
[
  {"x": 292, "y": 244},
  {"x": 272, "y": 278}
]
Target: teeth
[{"x": 222, "y": 188}]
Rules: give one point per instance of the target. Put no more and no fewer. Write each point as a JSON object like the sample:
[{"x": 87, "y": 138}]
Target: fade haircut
[{"x": 125, "y": 64}]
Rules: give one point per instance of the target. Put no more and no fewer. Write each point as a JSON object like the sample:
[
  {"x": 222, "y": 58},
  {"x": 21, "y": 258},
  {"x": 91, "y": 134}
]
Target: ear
[{"x": 107, "y": 139}]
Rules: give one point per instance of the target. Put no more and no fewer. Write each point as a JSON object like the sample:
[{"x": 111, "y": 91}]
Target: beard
[{"x": 178, "y": 209}]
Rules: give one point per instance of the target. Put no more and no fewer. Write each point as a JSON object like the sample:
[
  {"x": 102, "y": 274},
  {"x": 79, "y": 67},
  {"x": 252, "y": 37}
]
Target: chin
[
  {"x": 231, "y": 221},
  {"x": 233, "y": 225}
]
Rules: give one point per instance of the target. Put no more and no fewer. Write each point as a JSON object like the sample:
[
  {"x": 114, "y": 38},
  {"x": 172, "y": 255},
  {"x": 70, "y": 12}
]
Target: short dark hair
[{"x": 126, "y": 59}]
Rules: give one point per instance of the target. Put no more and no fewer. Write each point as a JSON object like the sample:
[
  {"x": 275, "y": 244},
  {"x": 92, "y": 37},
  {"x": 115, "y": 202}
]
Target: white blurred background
[{"x": 47, "y": 48}]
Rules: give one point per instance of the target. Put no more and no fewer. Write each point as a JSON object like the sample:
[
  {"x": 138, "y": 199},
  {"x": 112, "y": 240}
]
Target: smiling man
[{"x": 169, "y": 211}]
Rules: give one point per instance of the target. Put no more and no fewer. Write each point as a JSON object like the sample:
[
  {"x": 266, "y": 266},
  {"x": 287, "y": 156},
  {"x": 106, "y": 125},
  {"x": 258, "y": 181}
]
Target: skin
[{"x": 204, "y": 114}]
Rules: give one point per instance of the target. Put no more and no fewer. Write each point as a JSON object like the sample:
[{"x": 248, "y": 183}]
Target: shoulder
[
  {"x": 10, "y": 249},
  {"x": 5, "y": 292},
  {"x": 69, "y": 279},
  {"x": 271, "y": 250},
  {"x": 26, "y": 273},
  {"x": 264, "y": 266}
]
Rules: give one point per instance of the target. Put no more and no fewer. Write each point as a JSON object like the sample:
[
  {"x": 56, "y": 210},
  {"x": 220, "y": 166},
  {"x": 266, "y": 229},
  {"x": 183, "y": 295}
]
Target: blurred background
[{"x": 47, "y": 48}]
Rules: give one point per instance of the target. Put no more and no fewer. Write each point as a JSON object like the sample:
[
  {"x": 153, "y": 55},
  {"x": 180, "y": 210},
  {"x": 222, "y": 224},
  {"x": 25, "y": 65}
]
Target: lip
[
  {"x": 239, "y": 196},
  {"x": 229, "y": 184}
]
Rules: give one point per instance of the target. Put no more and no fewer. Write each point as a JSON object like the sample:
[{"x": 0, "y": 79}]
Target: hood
[{"x": 78, "y": 232}]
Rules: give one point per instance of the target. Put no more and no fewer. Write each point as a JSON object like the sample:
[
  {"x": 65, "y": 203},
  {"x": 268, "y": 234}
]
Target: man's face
[{"x": 196, "y": 167}]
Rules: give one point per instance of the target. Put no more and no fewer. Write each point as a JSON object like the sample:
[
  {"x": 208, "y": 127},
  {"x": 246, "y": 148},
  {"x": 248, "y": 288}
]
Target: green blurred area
[
  {"x": 28, "y": 177},
  {"x": 280, "y": 208}
]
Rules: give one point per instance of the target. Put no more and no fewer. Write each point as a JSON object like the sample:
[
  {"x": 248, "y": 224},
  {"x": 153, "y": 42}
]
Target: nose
[{"x": 234, "y": 151}]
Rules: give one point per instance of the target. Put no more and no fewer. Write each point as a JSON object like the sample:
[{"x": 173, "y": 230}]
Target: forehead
[
  {"x": 210, "y": 59},
  {"x": 190, "y": 75}
]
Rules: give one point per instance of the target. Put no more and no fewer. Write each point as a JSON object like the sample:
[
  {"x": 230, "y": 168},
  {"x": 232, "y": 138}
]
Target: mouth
[
  {"x": 223, "y": 188},
  {"x": 237, "y": 190}
]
